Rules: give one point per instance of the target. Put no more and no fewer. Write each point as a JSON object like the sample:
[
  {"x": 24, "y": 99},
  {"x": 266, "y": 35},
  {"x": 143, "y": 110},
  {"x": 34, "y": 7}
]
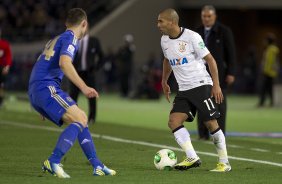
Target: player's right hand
[
  {"x": 166, "y": 90},
  {"x": 90, "y": 92}
]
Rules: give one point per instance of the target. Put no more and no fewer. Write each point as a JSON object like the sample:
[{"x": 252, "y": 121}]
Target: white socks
[
  {"x": 220, "y": 145},
  {"x": 182, "y": 137}
]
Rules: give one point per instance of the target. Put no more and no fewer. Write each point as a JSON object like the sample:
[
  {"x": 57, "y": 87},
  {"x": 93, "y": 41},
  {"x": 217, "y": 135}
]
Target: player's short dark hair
[
  {"x": 209, "y": 7},
  {"x": 75, "y": 16}
]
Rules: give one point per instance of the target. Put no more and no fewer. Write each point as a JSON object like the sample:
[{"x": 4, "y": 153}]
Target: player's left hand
[{"x": 217, "y": 94}]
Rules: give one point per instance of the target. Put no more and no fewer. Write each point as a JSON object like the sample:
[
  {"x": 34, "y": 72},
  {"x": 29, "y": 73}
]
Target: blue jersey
[
  {"x": 47, "y": 68},
  {"x": 44, "y": 91}
]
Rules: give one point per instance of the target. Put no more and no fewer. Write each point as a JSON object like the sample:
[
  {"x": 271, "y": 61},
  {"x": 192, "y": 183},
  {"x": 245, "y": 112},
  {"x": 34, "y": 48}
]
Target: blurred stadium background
[{"x": 28, "y": 24}]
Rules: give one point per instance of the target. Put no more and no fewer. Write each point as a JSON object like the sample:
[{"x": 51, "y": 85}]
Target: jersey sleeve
[
  {"x": 162, "y": 46},
  {"x": 68, "y": 47},
  {"x": 199, "y": 46}
]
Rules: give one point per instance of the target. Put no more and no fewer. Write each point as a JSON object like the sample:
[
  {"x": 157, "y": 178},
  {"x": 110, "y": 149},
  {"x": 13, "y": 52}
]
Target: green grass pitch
[{"x": 128, "y": 134}]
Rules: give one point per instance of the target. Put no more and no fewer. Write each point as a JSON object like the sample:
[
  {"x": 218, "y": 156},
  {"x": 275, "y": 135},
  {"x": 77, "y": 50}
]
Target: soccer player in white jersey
[{"x": 184, "y": 54}]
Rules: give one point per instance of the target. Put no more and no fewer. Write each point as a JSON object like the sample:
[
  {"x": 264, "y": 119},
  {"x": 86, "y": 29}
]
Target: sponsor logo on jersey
[
  {"x": 182, "y": 46},
  {"x": 180, "y": 61},
  {"x": 71, "y": 49}
]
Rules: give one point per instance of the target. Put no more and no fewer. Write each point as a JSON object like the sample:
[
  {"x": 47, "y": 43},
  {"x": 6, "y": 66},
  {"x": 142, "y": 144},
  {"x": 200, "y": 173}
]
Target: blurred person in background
[
  {"x": 219, "y": 40},
  {"x": 151, "y": 75},
  {"x": 5, "y": 64},
  {"x": 125, "y": 64},
  {"x": 88, "y": 60},
  {"x": 270, "y": 69},
  {"x": 109, "y": 69}
]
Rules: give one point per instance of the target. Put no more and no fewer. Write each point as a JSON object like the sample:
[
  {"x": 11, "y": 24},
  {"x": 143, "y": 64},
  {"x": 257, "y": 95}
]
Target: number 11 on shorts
[{"x": 209, "y": 102}]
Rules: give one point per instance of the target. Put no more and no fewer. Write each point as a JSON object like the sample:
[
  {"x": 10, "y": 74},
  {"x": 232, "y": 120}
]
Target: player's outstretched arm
[
  {"x": 69, "y": 70},
  {"x": 165, "y": 76},
  {"x": 216, "y": 90}
]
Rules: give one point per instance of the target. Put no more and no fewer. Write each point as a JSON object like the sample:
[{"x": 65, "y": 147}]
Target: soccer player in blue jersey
[{"x": 52, "y": 102}]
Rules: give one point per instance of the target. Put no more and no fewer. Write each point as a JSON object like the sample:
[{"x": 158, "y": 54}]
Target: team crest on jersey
[
  {"x": 182, "y": 46},
  {"x": 69, "y": 99}
]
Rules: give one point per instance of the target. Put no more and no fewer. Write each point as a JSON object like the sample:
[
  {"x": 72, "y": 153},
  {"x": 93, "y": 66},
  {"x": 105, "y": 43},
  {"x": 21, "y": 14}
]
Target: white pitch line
[
  {"x": 116, "y": 139},
  {"x": 259, "y": 150},
  {"x": 234, "y": 146}
]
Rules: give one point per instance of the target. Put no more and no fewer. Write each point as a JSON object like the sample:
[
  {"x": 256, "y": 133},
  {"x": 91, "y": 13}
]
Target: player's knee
[
  {"x": 78, "y": 117},
  {"x": 169, "y": 124},
  {"x": 85, "y": 121},
  {"x": 212, "y": 125},
  {"x": 173, "y": 123},
  {"x": 82, "y": 118}
]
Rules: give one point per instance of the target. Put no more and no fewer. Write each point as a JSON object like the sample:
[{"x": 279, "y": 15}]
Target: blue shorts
[{"x": 50, "y": 101}]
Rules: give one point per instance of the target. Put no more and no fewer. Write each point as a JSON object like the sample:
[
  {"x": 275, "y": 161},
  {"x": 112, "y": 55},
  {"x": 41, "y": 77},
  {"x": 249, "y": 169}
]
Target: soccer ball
[{"x": 165, "y": 159}]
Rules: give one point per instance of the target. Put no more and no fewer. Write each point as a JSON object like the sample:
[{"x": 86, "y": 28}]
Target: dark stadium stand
[{"x": 31, "y": 20}]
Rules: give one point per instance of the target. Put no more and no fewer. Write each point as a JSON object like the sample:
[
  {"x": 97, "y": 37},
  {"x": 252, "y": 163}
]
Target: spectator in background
[
  {"x": 270, "y": 68},
  {"x": 219, "y": 40},
  {"x": 125, "y": 63},
  {"x": 250, "y": 71},
  {"x": 40, "y": 19},
  {"x": 5, "y": 64},
  {"x": 150, "y": 86},
  {"x": 88, "y": 60},
  {"x": 110, "y": 70}
]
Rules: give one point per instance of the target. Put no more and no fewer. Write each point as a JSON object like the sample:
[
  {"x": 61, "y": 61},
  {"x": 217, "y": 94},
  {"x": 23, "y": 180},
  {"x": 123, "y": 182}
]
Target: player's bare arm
[
  {"x": 166, "y": 72},
  {"x": 69, "y": 70},
  {"x": 216, "y": 90}
]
